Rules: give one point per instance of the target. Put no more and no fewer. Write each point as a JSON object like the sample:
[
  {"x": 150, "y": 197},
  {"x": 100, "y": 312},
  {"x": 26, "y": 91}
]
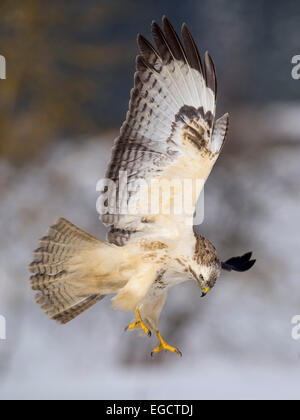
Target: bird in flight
[{"x": 170, "y": 138}]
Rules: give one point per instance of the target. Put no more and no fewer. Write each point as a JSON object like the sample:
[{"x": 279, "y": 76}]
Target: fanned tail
[{"x": 59, "y": 273}]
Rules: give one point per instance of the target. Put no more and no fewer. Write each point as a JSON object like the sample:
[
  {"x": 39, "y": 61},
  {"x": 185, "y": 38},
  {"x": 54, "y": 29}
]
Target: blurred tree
[
  {"x": 52, "y": 71},
  {"x": 70, "y": 63}
]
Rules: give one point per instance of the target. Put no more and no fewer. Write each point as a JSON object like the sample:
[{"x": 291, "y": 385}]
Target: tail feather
[
  {"x": 64, "y": 232},
  {"x": 51, "y": 268},
  {"x": 43, "y": 281},
  {"x": 76, "y": 310},
  {"x": 57, "y": 298},
  {"x": 60, "y": 297}
]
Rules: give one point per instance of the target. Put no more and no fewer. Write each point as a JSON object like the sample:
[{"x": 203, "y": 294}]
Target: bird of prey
[{"x": 170, "y": 134}]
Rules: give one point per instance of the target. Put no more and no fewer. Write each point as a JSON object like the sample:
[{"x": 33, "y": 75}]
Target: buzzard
[{"x": 170, "y": 136}]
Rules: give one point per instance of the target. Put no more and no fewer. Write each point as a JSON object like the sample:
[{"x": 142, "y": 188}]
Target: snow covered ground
[{"x": 236, "y": 342}]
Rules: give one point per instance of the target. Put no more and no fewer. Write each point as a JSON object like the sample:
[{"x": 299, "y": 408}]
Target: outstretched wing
[
  {"x": 169, "y": 134},
  {"x": 241, "y": 264}
]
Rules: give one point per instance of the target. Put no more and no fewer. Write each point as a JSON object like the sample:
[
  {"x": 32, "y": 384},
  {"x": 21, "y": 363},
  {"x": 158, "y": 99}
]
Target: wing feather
[
  {"x": 169, "y": 129},
  {"x": 191, "y": 49},
  {"x": 180, "y": 59}
]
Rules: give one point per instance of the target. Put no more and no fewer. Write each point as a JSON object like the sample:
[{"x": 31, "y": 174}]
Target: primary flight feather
[{"x": 166, "y": 149}]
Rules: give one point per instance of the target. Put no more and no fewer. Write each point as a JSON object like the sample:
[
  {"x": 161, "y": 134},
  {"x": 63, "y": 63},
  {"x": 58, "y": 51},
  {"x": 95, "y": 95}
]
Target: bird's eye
[{"x": 201, "y": 279}]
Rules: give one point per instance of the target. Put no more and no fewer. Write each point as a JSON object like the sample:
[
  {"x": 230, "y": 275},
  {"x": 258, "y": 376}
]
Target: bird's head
[
  {"x": 208, "y": 264},
  {"x": 208, "y": 275}
]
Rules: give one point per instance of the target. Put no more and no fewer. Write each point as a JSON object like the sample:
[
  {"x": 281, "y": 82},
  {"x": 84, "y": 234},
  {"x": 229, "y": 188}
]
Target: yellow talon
[
  {"x": 164, "y": 346},
  {"x": 138, "y": 324}
]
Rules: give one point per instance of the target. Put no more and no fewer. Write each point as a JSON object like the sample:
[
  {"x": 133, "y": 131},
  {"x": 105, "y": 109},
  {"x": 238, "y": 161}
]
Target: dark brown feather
[
  {"x": 76, "y": 310},
  {"x": 173, "y": 40},
  {"x": 161, "y": 43},
  {"x": 210, "y": 73},
  {"x": 191, "y": 50}
]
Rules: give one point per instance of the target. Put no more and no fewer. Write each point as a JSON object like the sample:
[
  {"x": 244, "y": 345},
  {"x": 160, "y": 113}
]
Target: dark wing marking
[
  {"x": 172, "y": 103},
  {"x": 240, "y": 264}
]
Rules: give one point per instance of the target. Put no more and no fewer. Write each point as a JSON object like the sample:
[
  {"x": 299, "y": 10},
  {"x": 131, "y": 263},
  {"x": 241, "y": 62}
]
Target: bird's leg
[
  {"x": 164, "y": 346},
  {"x": 138, "y": 324}
]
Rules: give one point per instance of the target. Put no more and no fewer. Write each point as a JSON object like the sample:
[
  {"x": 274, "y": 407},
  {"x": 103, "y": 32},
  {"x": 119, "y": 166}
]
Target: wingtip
[
  {"x": 241, "y": 264},
  {"x": 226, "y": 117},
  {"x": 210, "y": 73},
  {"x": 155, "y": 27},
  {"x": 248, "y": 265},
  {"x": 247, "y": 256},
  {"x": 207, "y": 56},
  {"x": 209, "y": 59},
  {"x": 185, "y": 29},
  {"x": 165, "y": 23},
  {"x": 185, "y": 32},
  {"x": 140, "y": 39}
]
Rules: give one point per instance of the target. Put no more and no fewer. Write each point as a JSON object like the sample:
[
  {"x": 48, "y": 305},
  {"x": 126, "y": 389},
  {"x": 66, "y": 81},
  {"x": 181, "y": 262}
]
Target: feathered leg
[{"x": 150, "y": 310}]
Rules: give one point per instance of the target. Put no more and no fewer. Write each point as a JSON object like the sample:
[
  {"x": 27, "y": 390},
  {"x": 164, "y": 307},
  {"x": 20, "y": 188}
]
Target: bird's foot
[
  {"x": 164, "y": 346},
  {"x": 138, "y": 324}
]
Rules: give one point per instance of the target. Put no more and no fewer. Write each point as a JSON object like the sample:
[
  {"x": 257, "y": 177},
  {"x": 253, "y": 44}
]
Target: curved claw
[
  {"x": 164, "y": 346},
  {"x": 167, "y": 348},
  {"x": 138, "y": 324},
  {"x": 126, "y": 328}
]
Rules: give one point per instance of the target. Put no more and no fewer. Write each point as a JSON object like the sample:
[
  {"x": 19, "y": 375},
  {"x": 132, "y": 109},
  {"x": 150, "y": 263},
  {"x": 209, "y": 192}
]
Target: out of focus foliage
[
  {"x": 54, "y": 70},
  {"x": 70, "y": 64}
]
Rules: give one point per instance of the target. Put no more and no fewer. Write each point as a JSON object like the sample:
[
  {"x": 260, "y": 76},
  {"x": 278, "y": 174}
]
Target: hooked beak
[{"x": 205, "y": 290}]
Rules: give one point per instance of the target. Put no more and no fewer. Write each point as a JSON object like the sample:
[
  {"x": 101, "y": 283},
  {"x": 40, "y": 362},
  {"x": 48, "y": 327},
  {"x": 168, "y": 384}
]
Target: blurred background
[{"x": 70, "y": 68}]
